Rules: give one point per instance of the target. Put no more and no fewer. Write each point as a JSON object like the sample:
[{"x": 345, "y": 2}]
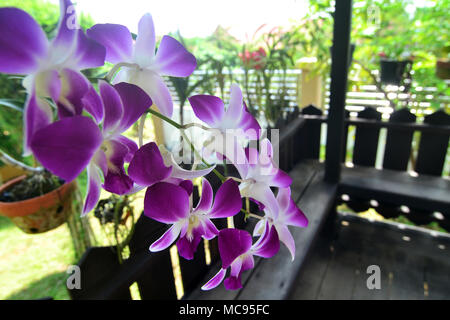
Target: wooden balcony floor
[{"x": 414, "y": 264}]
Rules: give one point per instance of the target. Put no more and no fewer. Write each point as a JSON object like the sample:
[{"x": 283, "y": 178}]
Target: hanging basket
[
  {"x": 43, "y": 213},
  {"x": 393, "y": 71}
]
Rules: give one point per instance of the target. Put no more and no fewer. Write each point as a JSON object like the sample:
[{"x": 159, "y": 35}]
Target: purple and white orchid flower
[
  {"x": 169, "y": 203},
  {"x": 231, "y": 127},
  {"x": 288, "y": 214},
  {"x": 139, "y": 63},
  {"x": 51, "y": 67},
  {"x": 68, "y": 146},
  {"x": 258, "y": 173},
  {"x": 236, "y": 251}
]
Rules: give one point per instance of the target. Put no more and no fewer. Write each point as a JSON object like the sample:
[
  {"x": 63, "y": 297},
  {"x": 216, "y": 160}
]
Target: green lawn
[{"x": 34, "y": 266}]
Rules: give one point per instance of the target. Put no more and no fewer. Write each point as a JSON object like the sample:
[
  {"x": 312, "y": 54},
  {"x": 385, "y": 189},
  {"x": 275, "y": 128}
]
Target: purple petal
[
  {"x": 116, "y": 180},
  {"x": 22, "y": 42},
  {"x": 166, "y": 203},
  {"x": 116, "y": 39},
  {"x": 67, "y": 27},
  {"x": 187, "y": 185},
  {"x": 209, "y": 229},
  {"x": 93, "y": 104},
  {"x": 113, "y": 106},
  {"x": 172, "y": 59},
  {"x": 206, "y": 198},
  {"x": 228, "y": 201},
  {"x": 295, "y": 217},
  {"x": 74, "y": 86},
  {"x": 144, "y": 48},
  {"x": 147, "y": 166},
  {"x": 281, "y": 179},
  {"x": 268, "y": 244},
  {"x": 215, "y": 281},
  {"x": 167, "y": 238},
  {"x": 232, "y": 283},
  {"x": 249, "y": 124},
  {"x": 38, "y": 114},
  {"x": 209, "y": 109},
  {"x": 93, "y": 189},
  {"x": 135, "y": 102},
  {"x": 89, "y": 53},
  {"x": 65, "y": 147},
  {"x": 155, "y": 87},
  {"x": 187, "y": 247},
  {"x": 233, "y": 243},
  {"x": 131, "y": 145},
  {"x": 285, "y": 236}
]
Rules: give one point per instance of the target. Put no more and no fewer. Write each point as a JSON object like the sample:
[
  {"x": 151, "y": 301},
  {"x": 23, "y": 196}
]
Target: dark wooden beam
[{"x": 338, "y": 89}]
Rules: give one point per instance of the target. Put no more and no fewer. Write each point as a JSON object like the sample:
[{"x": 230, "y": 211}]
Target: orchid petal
[
  {"x": 232, "y": 283},
  {"x": 88, "y": 53},
  {"x": 207, "y": 197},
  {"x": 228, "y": 201},
  {"x": 236, "y": 104},
  {"x": 131, "y": 145},
  {"x": 284, "y": 198},
  {"x": 166, "y": 203},
  {"x": 38, "y": 114},
  {"x": 135, "y": 102},
  {"x": 116, "y": 39},
  {"x": 116, "y": 180},
  {"x": 147, "y": 166},
  {"x": 93, "y": 104},
  {"x": 66, "y": 30},
  {"x": 113, "y": 106},
  {"x": 187, "y": 247},
  {"x": 172, "y": 59},
  {"x": 93, "y": 189},
  {"x": 232, "y": 243},
  {"x": 295, "y": 217},
  {"x": 285, "y": 236},
  {"x": 154, "y": 86},
  {"x": 144, "y": 48},
  {"x": 215, "y": 281},
  {"x": 66, "y": 147},
  {"x": 167, "y": 238},
  {"x": 281, "y": 179},
  {"x": 209, "y": 109},
  {"x": 74, "y": 86},
  {"x": 48, "y": 84},
  {"x": 262, "y": 193},
  {"x": 22, "y": 42},
  {"x": 268, "y": 244},
  {"x": 210, "y": 230},
  {"x": 248, "y": 123}
]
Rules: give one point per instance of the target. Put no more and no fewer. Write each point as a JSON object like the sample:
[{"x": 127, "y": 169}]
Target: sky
[{"x": 195, "y": 17}]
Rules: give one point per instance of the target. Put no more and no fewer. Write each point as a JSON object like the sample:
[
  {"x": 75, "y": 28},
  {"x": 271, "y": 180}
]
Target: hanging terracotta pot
[
  {"x": 443, "y": 69},
  {"x": 42, "y": 213}
]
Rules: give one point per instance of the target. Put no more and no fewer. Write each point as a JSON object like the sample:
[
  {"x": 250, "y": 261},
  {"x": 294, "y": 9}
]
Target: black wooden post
[{"x": 338, "y": 89}]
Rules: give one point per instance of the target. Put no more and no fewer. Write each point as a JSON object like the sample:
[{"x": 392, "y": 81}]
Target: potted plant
[
  {"x": 37, "y": 201},
  {"x": 394, "y": 69}
]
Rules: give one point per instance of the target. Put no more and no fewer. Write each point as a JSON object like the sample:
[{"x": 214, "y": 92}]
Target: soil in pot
[{"x": 37, "y": 203}]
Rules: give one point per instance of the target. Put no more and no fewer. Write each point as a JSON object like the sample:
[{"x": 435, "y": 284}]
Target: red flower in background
[{"x": 254, "y": 59}]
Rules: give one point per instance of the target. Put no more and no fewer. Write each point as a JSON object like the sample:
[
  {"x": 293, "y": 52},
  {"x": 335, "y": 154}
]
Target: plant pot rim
[
  {"x": 29, "y": 206},
  {"x": 395, "y": 60}
]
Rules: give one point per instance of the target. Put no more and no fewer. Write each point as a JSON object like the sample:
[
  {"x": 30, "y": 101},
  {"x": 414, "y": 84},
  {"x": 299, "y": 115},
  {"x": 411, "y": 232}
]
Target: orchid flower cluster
[{"x": 72, "y": 125}]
